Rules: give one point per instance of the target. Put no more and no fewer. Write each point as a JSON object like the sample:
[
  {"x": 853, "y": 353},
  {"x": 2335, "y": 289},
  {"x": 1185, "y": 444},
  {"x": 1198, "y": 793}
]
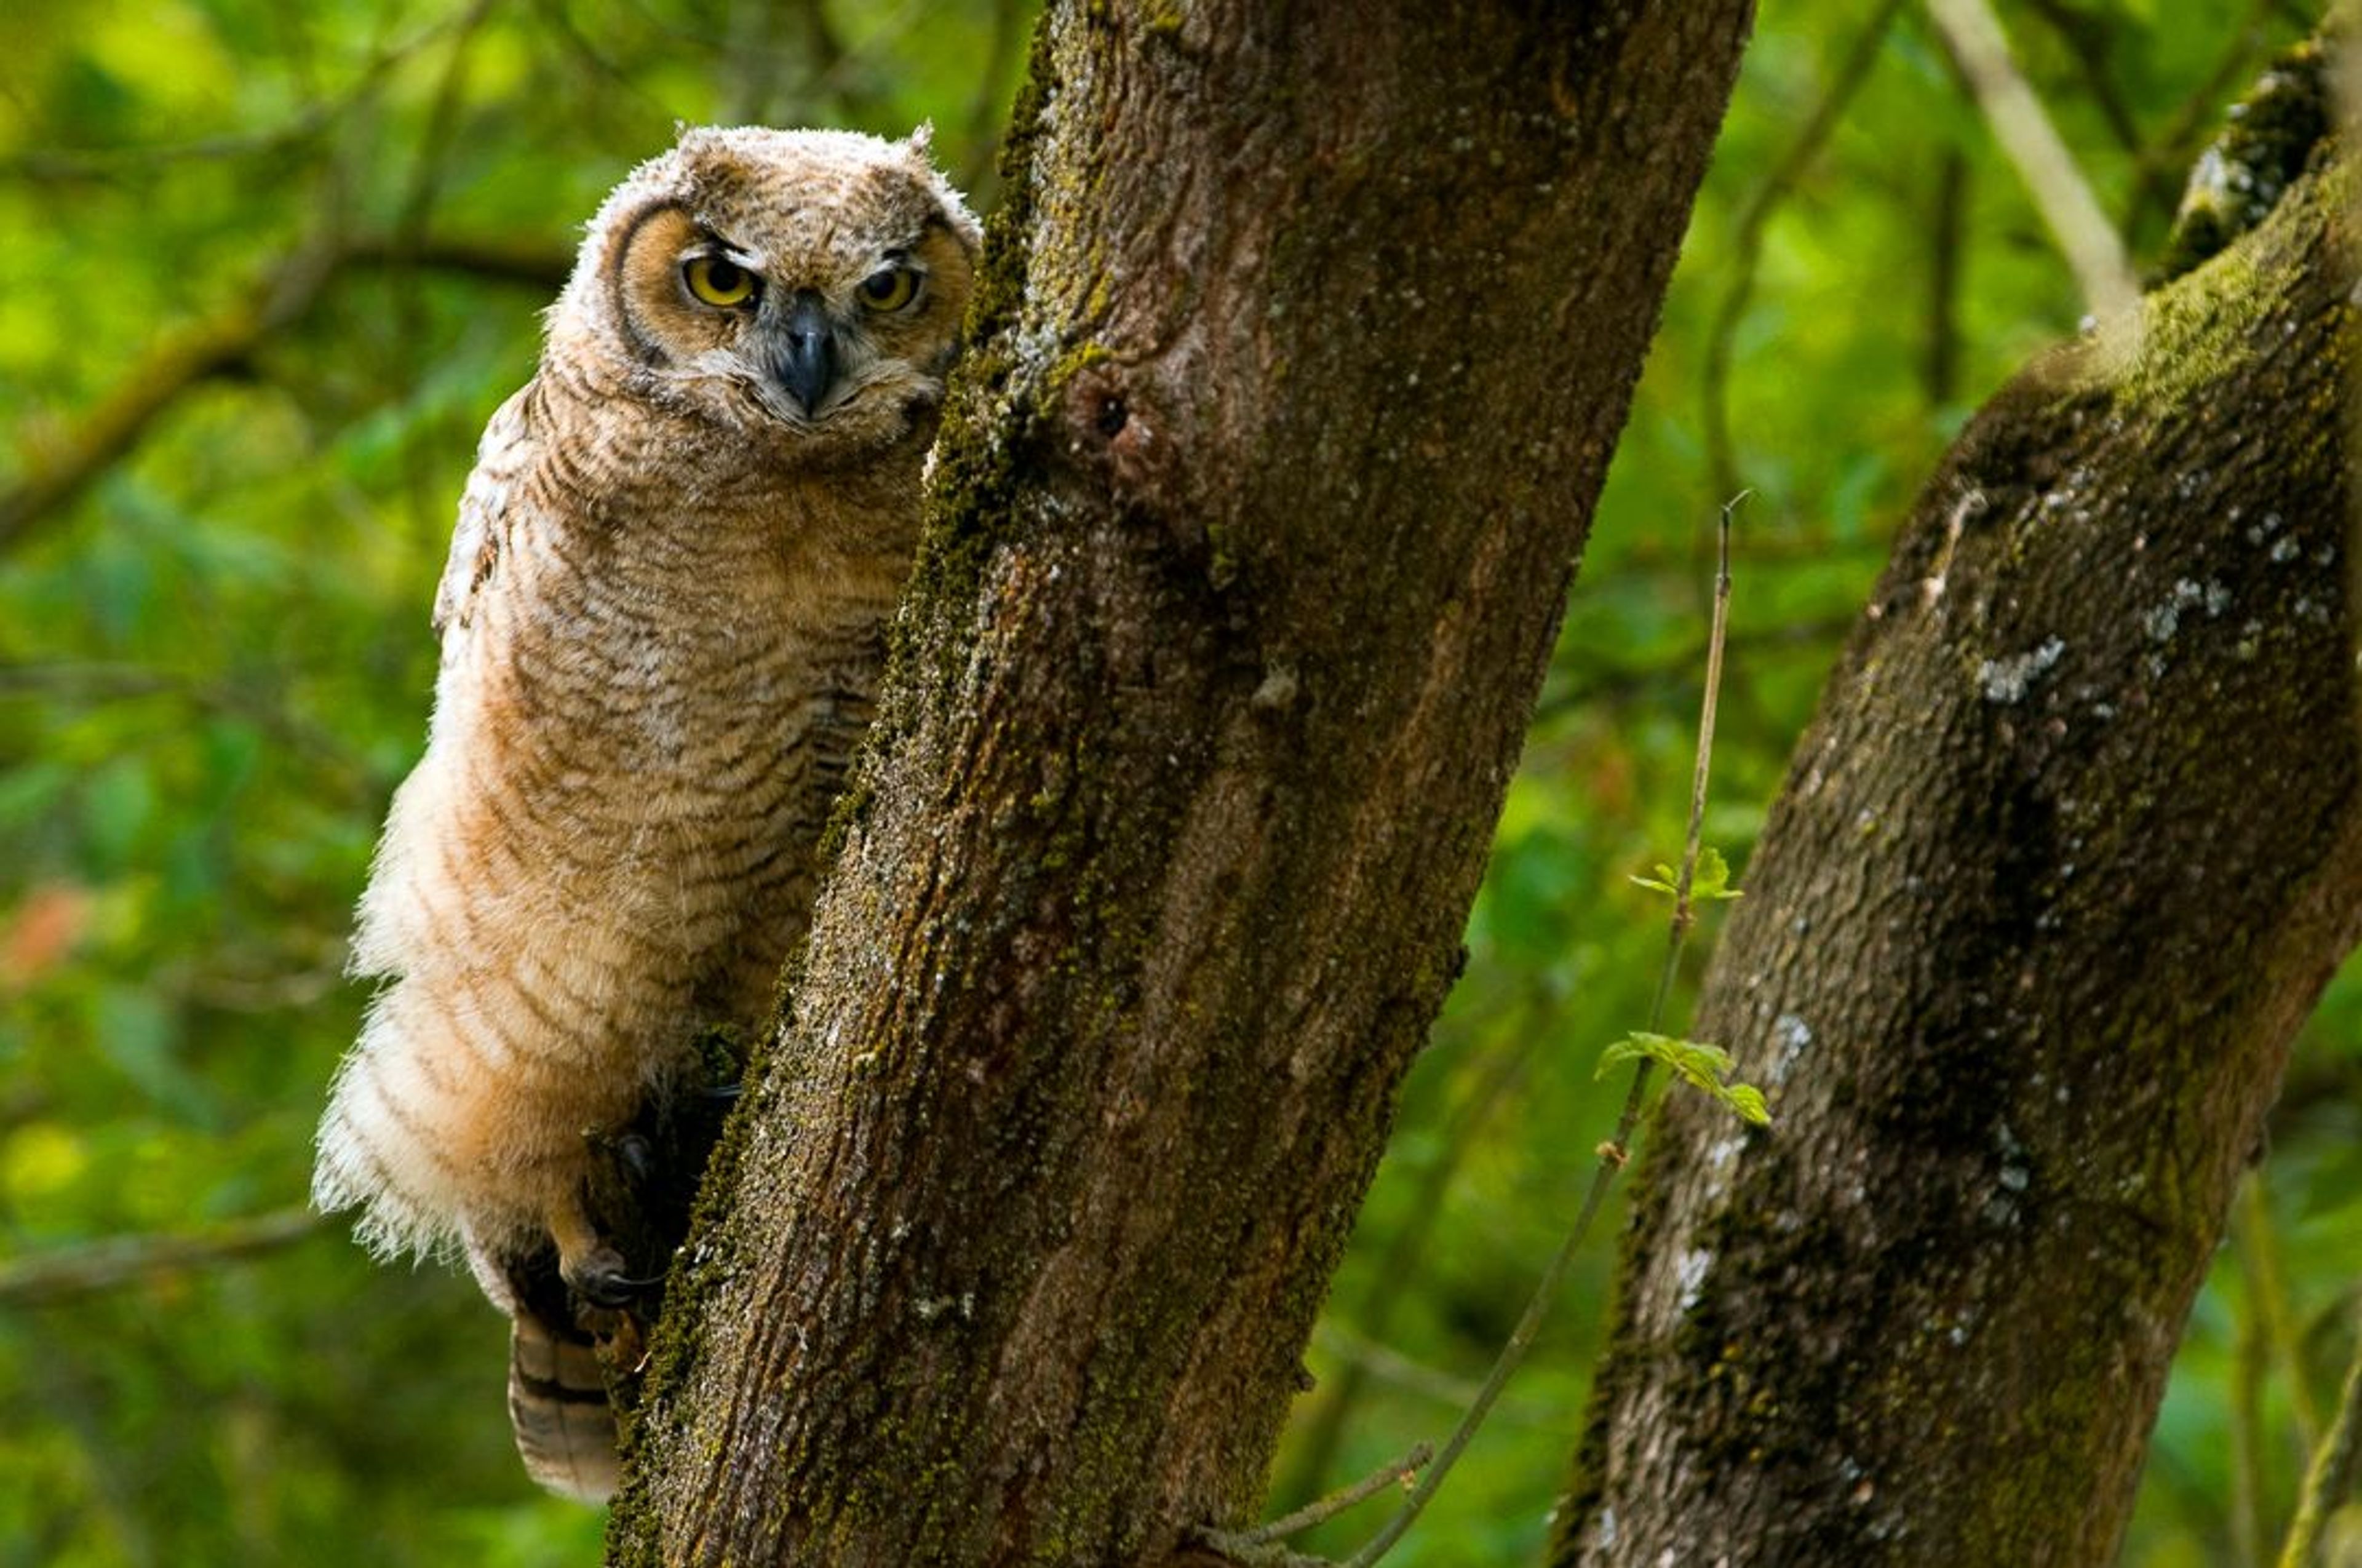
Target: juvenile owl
[{"x": 661, "y": 625}]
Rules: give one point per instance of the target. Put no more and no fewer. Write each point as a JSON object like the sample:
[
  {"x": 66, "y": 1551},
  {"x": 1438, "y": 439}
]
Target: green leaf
[
  {"x": 1710, "y": 878},
  {"x": 1696, "y": 1063},
  {"x": 1713, "y": 877}
]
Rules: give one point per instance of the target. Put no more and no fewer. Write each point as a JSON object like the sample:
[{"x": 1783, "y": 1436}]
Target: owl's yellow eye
[
  {"x": 718, "y": 280},
  {"x": 890, "y": 288}
]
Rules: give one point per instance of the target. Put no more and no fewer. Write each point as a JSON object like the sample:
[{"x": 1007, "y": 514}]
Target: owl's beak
[{"x": 804, "y": 359}]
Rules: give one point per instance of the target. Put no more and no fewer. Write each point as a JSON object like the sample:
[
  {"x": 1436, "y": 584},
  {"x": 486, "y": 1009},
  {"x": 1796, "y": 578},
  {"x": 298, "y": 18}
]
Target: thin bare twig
[
  {"x": 1242, "y": 1544},
  {"x": 1385, "y": 1365},
  {"x": 1324, "y": 1423},
  {"x": 1590, "y": 682},
  {"x": 1614, "y": 1154},
  {"x": 1684, "y": 916},
  {"x": 2336, "y": 1470}
]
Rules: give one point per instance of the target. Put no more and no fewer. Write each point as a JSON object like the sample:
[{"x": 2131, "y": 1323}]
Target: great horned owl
[{"x": 661, "y": 629}]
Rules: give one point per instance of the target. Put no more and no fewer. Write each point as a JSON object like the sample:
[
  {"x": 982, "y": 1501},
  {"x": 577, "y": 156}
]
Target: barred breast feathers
[{"x": 588, "y": 831}]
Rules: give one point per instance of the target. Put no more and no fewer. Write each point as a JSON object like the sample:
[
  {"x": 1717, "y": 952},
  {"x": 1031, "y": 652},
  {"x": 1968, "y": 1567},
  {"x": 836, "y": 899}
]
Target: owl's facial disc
[{"x": 785, "y": 319}]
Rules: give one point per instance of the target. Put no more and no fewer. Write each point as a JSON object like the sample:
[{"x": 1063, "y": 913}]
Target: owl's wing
[{"x": 505, "y": 451}]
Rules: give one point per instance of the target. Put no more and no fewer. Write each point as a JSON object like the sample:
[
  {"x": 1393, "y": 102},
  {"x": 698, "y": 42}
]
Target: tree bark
[
  {"x": 2060, "y": 867},
  {"x": 1305, "y": 336}
]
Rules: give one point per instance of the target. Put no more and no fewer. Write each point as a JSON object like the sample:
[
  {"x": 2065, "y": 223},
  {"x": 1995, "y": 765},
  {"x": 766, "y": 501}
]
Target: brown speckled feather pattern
[{"x": 661, "y": 624}]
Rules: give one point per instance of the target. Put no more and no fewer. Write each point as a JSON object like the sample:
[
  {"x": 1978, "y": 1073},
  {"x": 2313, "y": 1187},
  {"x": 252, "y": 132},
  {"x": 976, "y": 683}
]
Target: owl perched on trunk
[{"x": 661, "y": 625}]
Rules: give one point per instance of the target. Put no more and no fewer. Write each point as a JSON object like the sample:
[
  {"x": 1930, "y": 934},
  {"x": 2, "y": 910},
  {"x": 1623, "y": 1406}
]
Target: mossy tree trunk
[
  {"x": 1307, "y": 333},
  {"x": 2060, "y": 867}
]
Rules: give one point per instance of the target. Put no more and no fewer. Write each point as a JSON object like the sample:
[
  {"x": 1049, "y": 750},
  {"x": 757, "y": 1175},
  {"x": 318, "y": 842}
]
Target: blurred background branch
[
  {"x": 2084, "y": 232},
  {"x": 64, "y": 466},
  {"x": 58, "y": 1277}
]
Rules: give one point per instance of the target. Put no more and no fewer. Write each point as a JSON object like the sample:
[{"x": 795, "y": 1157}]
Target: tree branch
[
  {"x": 1219, "y": 649},
  {"x": 1930, "y": 1320},
  {"x": 2085, "y": 235}
]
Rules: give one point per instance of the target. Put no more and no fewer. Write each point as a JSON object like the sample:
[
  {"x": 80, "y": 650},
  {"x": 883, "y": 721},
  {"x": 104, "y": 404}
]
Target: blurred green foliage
[{"x": 316, "y": 239}]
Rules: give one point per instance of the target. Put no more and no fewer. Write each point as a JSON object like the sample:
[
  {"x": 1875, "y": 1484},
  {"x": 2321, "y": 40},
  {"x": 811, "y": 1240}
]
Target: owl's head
[{"x": 804, "y": 284}]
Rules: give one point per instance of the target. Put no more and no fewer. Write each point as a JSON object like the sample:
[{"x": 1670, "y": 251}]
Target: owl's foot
[
  {"x": 599, "y": 1277},
  {"x": 633, "y": 1205},
  {"x": 589, "y": 1265}
]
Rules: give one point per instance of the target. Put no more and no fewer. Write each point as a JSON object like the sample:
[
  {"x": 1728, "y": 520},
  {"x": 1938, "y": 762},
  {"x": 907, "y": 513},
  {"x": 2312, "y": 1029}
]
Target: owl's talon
[
  {"x": 723, "y": 1092},
  {"x": 598, "y": 1278}
]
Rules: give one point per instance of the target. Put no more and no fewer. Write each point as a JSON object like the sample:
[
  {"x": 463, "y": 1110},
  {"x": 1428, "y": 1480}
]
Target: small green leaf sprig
[
  {"x": 1695, "y": 1063},
  {"x": 1704, "y": 877},
  {"x": 1711, "y": 879}
]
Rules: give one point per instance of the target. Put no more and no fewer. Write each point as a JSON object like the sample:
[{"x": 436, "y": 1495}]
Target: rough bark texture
[
  {"x": 1307, "y": 333},
  {"x": 2062, "y": 865}
]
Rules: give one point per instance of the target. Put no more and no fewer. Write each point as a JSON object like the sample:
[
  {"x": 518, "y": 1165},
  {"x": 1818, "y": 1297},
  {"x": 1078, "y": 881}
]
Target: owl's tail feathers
[{"x": 557, "y": 1403}]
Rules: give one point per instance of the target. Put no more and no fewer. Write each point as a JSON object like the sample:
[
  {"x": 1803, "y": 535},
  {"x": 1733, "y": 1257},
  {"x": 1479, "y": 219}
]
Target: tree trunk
[
  {"x": 1306, "y": 335},
  {"x": 2062, "y": 863}
]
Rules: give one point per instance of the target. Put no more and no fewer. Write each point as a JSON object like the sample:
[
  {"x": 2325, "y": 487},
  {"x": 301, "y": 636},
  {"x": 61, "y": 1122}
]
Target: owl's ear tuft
[{"x": 922, "y": 140}]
